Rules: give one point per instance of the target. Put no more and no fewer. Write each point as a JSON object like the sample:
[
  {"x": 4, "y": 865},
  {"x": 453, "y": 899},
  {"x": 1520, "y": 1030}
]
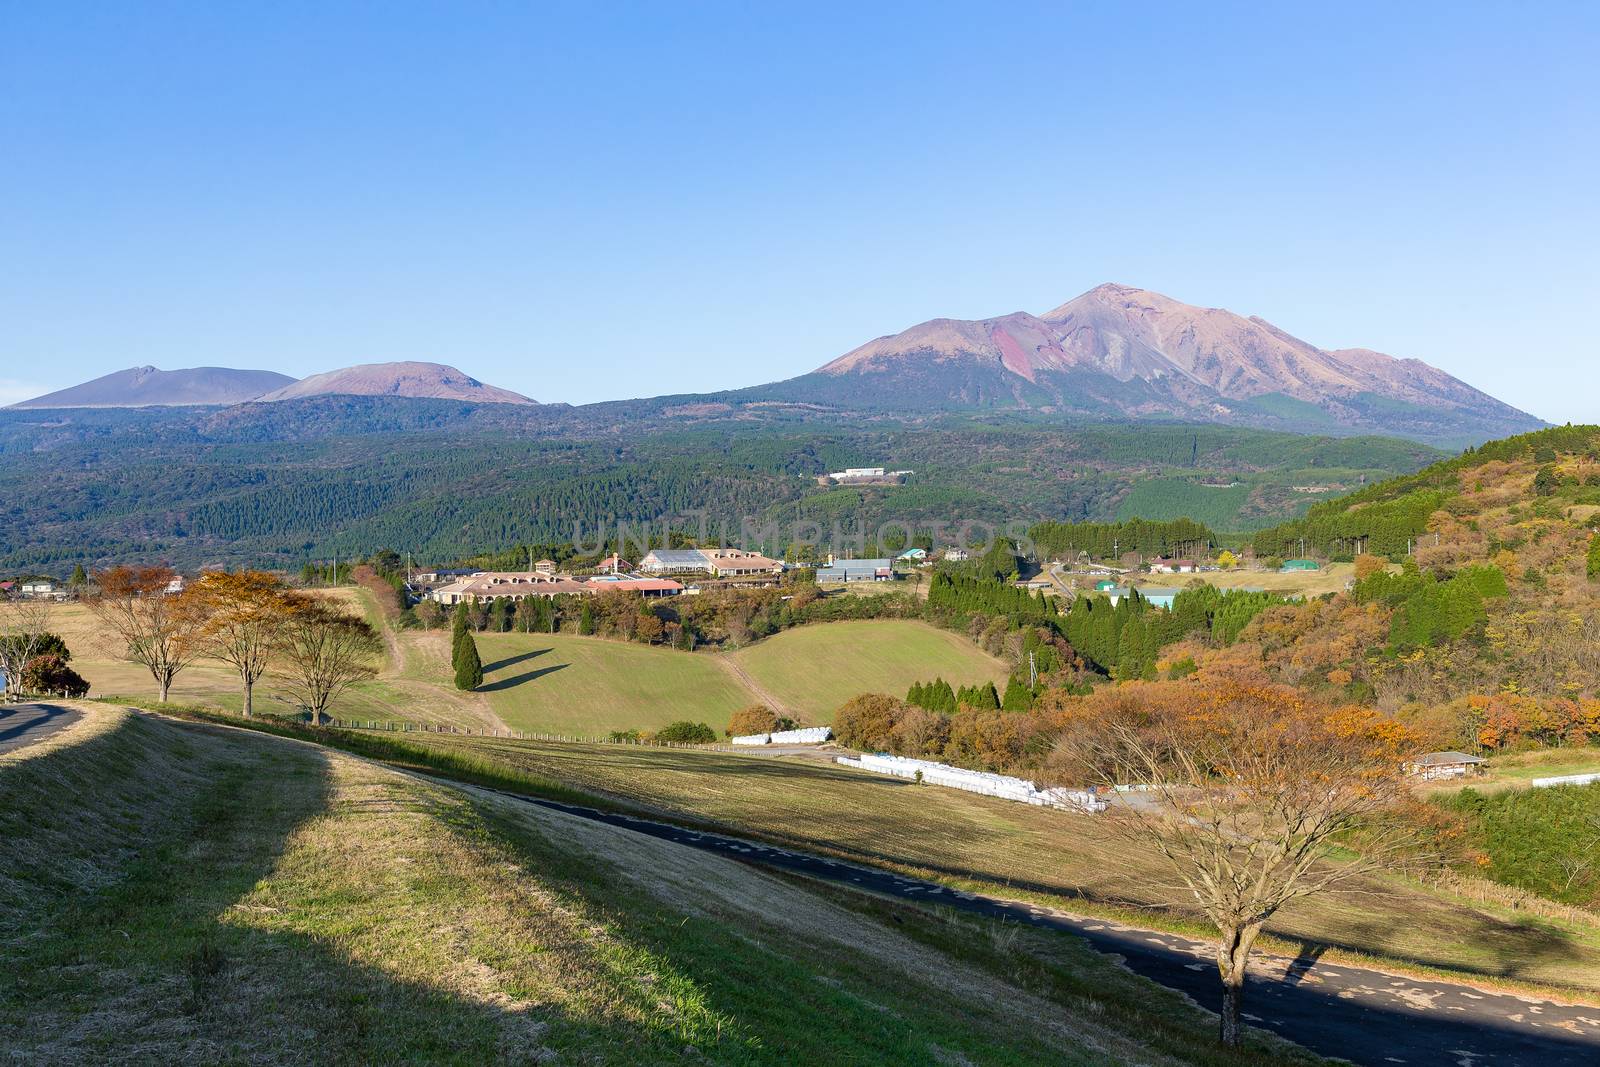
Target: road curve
[
  {"x": 1361, "y": 1015},
  {"x": 24, "y": 724}
]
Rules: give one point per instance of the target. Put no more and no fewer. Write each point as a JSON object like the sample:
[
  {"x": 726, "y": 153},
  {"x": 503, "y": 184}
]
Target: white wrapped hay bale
[{"x": 1003, "y": 786}]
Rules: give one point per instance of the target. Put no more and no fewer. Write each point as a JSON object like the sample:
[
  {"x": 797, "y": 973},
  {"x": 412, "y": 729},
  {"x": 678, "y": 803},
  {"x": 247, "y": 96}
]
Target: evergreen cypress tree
[
  {"x": 985, "y": 697},
  {"x": 469, "y": 668},
  {"x": 586, "y": 619}
]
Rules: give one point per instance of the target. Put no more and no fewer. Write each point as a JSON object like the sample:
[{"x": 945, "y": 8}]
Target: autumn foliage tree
[
  {"x": 154, "y": 627},
  {"x": 756, "y": 719},
  {"x": 239, "y": 618},
  {"x": 1250, "y": 785}
]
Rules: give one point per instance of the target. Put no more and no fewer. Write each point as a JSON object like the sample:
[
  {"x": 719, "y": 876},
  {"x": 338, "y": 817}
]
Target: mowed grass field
[
  {"x": 590, "y": 686},
  {"x": 1076, "y": 862},
  {"x": 811, "y": 670},
  {"x": 177, "y": 892}
]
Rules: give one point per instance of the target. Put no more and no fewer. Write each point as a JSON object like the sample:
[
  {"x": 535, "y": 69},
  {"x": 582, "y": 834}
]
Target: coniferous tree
[
  {"x": 469, "y": 668},
  {"x": 586, "y": 619},
  {"x": 1018, "y": 696}
]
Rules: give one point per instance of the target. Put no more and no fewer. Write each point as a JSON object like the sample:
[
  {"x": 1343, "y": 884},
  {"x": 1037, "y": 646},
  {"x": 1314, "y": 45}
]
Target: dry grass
[
  {"x": 408, "y": 687},
  {"x": 1074, "y": 862},
  {"x": 1332, "y": 578},
  {"x": 186, "y": 893}
]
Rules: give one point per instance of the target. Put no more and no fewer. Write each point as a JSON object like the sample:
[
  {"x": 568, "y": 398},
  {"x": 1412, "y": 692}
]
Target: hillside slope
[{"x": 197, "y": 894}]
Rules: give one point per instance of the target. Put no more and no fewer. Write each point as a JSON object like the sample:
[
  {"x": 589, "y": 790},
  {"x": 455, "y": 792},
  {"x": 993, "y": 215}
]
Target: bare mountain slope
[
  {"x": 425, "y": 380},
  {"x": 139, "y": 387},
  {"x": 1118, "y": 350}
]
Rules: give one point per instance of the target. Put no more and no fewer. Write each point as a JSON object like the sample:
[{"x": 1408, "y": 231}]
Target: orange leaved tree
[
  {"x": 240, "y": 620},
  {"x": 1244, "y": 788},
  {"x": 153, "y": 625}
]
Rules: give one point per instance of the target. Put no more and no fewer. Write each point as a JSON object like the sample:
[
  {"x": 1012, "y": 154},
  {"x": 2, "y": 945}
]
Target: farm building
[
  {"x": 737, "y": 563},
  {"x": 857, "y": 570},
  {"x": 1301, "y": 565},
  {"x": 1432, "y": 766},
  {"x": 491, "y": 585},
  {"x": 675, "y": 561},
  {"x": 913, "y": 555},
  {"x": 1172, "y": 566},
  {"x": 41, "y": 589},
  {"x": 863, "y": 475}
]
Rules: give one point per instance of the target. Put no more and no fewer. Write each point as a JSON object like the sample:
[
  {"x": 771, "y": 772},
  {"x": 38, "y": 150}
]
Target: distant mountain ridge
[
  {"x": 139, "y": 387},
  {"x": 148, "y": 387},
  {"x": 431, "y": 381},
  {"x": 1118, "y": 350}
]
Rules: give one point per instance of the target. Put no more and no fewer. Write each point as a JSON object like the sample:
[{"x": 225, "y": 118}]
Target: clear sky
[{"x": 591, "y": 201}]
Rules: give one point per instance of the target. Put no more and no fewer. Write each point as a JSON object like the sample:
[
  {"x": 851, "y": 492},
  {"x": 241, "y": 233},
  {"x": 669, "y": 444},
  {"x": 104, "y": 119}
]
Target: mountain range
[{"x": 1115, "y": 353}]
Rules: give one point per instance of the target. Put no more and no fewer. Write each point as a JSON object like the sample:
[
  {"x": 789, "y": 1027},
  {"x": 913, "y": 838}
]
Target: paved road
[
  {"x": 23, "y": 724},
  {"x": 1364, "y": 1016}
]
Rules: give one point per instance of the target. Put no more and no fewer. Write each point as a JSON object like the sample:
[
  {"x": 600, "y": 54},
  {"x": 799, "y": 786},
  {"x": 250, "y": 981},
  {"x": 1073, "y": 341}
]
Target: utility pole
[{"x": 1033, "y": 672}]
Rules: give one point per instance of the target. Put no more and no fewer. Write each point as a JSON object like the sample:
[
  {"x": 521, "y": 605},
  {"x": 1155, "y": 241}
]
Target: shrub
[
  {"x": 687, "y": 733},
  {"x": 868, "y": 721},
  {"x": 756, "y": 719}
]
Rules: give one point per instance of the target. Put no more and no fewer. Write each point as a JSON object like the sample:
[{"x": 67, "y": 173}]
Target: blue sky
[{"x": 593, "y": 201}]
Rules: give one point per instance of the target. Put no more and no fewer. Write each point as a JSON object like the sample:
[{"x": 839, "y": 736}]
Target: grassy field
[
  {"x": 975, "y": 842},
  {"x": 195, "y": 894},
  {"x": 589, "y": 686},
  {"x": 1332, "y": 578},
  {"x": 811, "y": 670}
]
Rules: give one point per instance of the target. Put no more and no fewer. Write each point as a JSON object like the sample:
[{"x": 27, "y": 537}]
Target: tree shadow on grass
[
  {"x": 512, "y": 661},
  {"x": 521, "y": 679}
]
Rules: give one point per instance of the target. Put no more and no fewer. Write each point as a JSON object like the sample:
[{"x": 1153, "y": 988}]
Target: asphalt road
[
  {"x": 23, "y": 724},
  {"x": 1365, "y": 1016}
]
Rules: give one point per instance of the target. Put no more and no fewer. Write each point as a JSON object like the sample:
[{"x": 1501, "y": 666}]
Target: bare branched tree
[
  {"x": 239, "y": 619},
  {"x": 151, "y": 626},
  {"x": 1246, "y": 790},
  {"x": 325, "y": 650},
  {"x": 24, "y": 622}
]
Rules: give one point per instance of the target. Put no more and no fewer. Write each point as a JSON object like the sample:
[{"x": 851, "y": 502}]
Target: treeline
[
  {"x": 1333, "y": 529},
  {"x": 1125, "y": 640},
  {"x": 1430, "y": 609},
  {"x": 960, "y": 594},
  {"x": 1106, "y": 540}
]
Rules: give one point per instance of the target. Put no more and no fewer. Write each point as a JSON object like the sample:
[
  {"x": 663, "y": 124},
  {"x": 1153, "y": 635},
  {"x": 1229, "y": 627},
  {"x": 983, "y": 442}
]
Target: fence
[
  {"x": 994, "y": 785},
  {"x": 1566, "y": 779},
  {"x": 810, "y": 735},
  {"x": 512, "y": 735}
]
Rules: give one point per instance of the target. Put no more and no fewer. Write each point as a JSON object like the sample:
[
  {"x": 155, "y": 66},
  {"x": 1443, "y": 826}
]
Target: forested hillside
[{"x": 443, "y": 480}]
